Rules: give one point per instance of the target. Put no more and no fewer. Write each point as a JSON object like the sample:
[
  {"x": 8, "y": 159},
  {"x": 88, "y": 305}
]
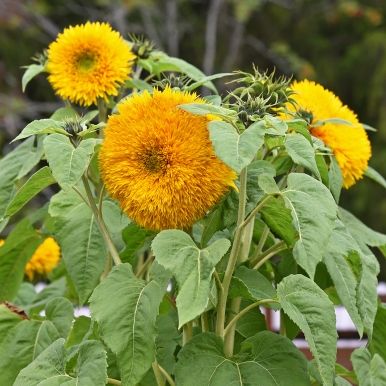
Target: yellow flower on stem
[
  {"x": 88, "y": 62},
  {"x": 44, "y": 260},
  {"x": 157, "y": 160},
  {"x": 349, "y": 143}
]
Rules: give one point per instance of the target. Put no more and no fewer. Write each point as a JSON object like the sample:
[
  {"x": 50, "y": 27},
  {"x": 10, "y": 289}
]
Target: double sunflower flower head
[{"x": 156, "y": 159}]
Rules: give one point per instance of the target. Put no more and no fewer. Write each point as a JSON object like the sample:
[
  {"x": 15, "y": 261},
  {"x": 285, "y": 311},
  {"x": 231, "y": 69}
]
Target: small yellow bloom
[
  {"x": 157, "y": 160},
  {"x": 349, "y": 143},
  {"x": 88, "y": 62},
  {"x": 1, "y": 242},
  {"x": 44, "y": 260}
]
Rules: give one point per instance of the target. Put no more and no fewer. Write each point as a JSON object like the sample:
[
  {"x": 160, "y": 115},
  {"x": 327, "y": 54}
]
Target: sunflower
[
  {"x": 158, "y": 162},
  {"x": 44, "y": 259},
  {"x": 88, "y": 62},
  {"x": 349, "y": 143}
]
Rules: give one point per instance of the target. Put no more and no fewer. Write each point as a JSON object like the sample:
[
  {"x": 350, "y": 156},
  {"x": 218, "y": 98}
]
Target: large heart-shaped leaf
[
  {"x": 369, "y": 371},
  {"x": 236, "y": 150},
  {"x": 127, "y": 324},
  {"x": 67, "y": 162},
  {"x": 192, "y": 268},
  {"x": 266, "y": 359}
]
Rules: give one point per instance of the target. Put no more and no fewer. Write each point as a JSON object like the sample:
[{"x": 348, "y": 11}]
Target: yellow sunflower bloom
[
  {"x": 349, "y": 144},
  {"x": 44, "y": 260},
  {"x": 158, "y": 162},
  {"x": 88, "y": 62}
]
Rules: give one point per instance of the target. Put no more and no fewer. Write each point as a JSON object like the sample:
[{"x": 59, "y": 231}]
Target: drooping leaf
[
  {"x": 367, "y": 297},
  {"x": 30, "y": 73},
  {"x": 335, "y": 178},
  {"x": 83, "y": 249},
  {"x": 67, "y": 162},
  {"x": 237, "y": 151},
  {"x": 335, "y": 257},
  {"x": 127, "y": 324},
  {"x": 8, "y": 319},
  {"x": 377, "y": 344},
  {"x": 61, "y": 313},
  {"x": 375, "y": 176},
  {"x": 14, "y": 254},
  {"x": 192, "y": 268},
  {"x": 310, "y": 308},
  {"x": 313, "y": 212},
  {"x": 34, "y": 185},
  {"x": 369, "y": 371},
  {"x": 267, "y": 359},
  {"x": 135, "y": 238},
  {"x": 302, "y": 152}
]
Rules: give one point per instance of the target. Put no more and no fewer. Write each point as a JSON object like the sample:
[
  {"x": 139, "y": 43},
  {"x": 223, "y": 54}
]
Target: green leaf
[
  {"x": 63, "y": 202},
  {"x": 339, "y": 381},
  {"x": 237, "y": 151},
  {"x": 14, "y": 255},
  {"x": 205, "y": 109},
  {"x": 375, "y": 176},
  {"x": 310, "y": 308},
  {"x": 313, "y": 212},
  {"x": 206, "y": 79},
  {"x": 30, "y": 73},
  {"x": 369, "y": 371},
  {"x": 8, "y": 319},
  {"x": 251, "y": 322},
  {"x": 335, "y": 121},
  {"x": 83, "y": 249},
  {"x": 278, "y": 218},
  {"x": 335, "y": 178},
  {"x": 250, "y": 284},
  {"x": 42, "y": 126},
  {"x": 63, "y": 114},
  {"x": 335, "y": 258},
  {"x": 22, "y": 344},
  {"x": 13, "y": 166},
  {"x": 66, "y": 162},
  {"x": 367, "y": 297},
  {"x": 61, "y": 313},
  {"x": 135, "y": 238},
  {"x": 267, "y": 359},
  {"x": 49, "y": 369},
  {"x": 34, "y": 185},
  {"x": 299, "y": 126},
  {"x": 127, "y": 324},
  {"x": 362, "y": 234},
  {"x": 377, "y": 344},
  {"x": 138, "y": 84},
  {"x": 268, "y": 184},
  {"x": 301, "y": 152},
  {"x": 192, "y": 268},
  {"x": 275, "y": 125}
]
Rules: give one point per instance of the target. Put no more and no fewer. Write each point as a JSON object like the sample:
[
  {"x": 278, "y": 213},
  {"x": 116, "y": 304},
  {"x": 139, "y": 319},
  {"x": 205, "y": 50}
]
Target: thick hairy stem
[
  {"x": 102, "y": 226},
  {"x": 235, "y": 251},
  {"x": 187, "y": 333}
]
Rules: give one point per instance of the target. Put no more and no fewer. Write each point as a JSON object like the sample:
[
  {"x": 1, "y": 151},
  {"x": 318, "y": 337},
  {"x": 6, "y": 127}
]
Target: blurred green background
[{"x": 339, "y": 43}]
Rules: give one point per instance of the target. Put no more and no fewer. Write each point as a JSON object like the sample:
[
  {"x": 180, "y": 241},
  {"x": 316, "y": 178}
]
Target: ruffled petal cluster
[
  {"x": 88, "y": 62},
  {"x": 157, "y": 160},
  {"x": 349, "y": 143}
]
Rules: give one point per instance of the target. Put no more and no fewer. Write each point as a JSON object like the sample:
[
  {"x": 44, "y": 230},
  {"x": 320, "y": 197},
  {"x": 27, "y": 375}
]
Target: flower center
[
  {"x": 154, "y": 160},
  {"x": 86, "y": 61}
]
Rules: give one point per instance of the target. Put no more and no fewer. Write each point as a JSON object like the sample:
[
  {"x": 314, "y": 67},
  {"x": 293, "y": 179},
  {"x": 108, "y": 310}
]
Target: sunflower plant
[{"x": 177, "y": 221}]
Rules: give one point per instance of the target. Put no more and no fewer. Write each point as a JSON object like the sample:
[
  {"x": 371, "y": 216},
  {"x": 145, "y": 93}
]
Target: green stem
[
  {"x": 102, "y": 109},
  {"x": 187, "y": 333},
  {"x": 283, "y": 330},
  {"x": 102, "y": 226},
  {"x": 166, "y": 375},
  {"x": 252, "y": 215},
  {"x": 158, "y": 375},
  {"x": 223, "y": 295},
  {"x": 261, "y": 243},
  {"x": 145, "y": 266},
  {"x": 266, "y": 255},
  {"x": 233, "y": 321},
  {"x": 113, "y": 381},
  {"x": 204, "y": 322}
]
